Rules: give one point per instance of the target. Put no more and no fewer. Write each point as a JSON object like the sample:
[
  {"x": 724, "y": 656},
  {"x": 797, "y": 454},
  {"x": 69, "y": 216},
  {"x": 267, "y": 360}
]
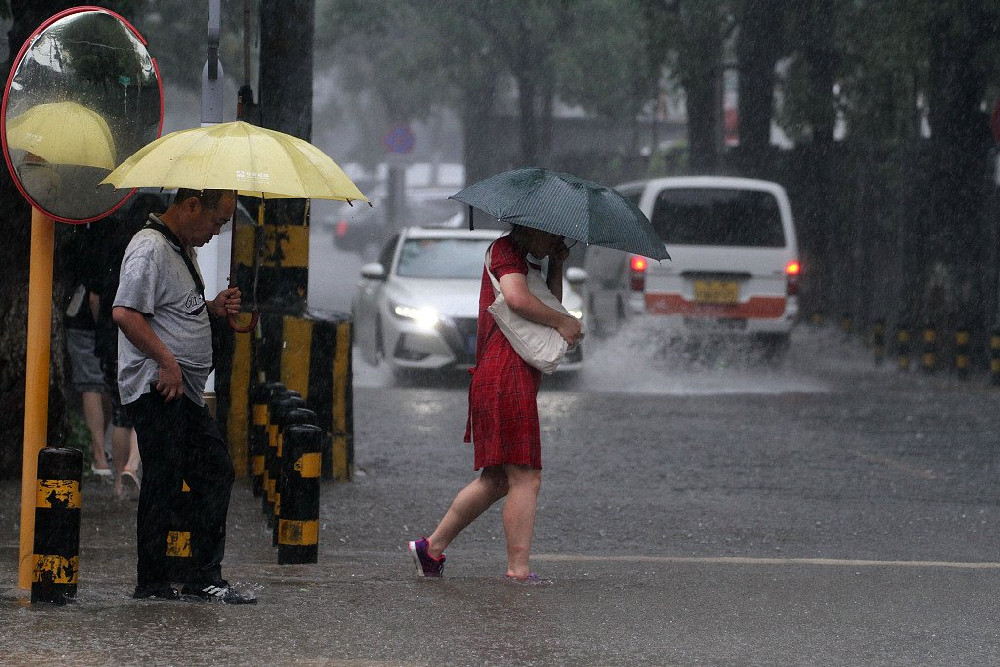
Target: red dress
[{"x": 503, "y": 408}]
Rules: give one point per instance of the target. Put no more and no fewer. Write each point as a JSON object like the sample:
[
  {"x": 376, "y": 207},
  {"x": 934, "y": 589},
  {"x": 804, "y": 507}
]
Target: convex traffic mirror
[{"x": 82, "y": 96}]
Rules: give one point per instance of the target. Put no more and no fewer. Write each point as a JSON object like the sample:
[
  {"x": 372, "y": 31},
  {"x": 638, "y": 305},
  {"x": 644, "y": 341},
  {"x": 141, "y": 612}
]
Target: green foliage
[
  {"x": 413, "y": 56},
  {"x": 609, "y": 76}
]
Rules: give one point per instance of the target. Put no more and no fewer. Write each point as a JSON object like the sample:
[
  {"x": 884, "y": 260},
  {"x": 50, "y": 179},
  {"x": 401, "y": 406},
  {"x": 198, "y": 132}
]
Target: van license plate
[{"x": 718, "y": 292}]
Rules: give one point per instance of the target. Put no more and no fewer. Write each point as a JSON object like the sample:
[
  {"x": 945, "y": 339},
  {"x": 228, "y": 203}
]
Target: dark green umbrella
[{"x": 565, "y": 205}]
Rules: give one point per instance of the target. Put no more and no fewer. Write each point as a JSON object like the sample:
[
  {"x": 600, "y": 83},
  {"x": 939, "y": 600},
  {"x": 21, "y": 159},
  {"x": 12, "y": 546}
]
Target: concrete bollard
[
  {"x": 298, "y": 527},
  {"x": 258, "y": 433},
  {"x": 286, "y": 419},
  {"x": 903, "y": 348},
  {"x": 878, "y": 341},
  {"x": 962, "y": 359},
  {"x": 928, "y": 358},
  {"x": 57, "y": 525}
]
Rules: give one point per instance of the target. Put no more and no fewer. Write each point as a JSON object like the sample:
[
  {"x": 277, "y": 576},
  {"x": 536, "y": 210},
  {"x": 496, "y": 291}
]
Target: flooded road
[{"x": 825, "y": 511}]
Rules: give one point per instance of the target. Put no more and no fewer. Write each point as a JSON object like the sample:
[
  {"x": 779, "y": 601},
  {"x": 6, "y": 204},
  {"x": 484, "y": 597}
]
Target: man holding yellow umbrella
[
  {"x": 163, "y": 363},
  {"x": 164, "y": 359}
]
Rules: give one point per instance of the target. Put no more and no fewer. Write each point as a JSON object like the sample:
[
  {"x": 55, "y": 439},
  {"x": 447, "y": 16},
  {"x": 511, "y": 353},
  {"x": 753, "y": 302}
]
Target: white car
[
  {"x": 417, "y": 307},
  {"x": 734, "y": 267}
]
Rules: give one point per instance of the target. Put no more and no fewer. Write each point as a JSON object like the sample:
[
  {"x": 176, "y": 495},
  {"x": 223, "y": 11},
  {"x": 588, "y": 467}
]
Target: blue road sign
[{"x": 400, "y": 139}]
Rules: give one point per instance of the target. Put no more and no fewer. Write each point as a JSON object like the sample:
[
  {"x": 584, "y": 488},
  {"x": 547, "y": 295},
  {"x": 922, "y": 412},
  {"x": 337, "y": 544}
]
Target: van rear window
[{"x": 715, "y": 217}]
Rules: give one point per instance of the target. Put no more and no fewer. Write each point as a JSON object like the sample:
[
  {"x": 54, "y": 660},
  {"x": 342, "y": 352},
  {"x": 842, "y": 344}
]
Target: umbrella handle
[{"x": 254, "y": 316}]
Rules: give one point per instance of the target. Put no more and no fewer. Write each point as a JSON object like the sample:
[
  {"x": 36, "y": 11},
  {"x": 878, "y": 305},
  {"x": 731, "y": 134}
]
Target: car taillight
[
  {"x": 637, "y": 277},
  {"x": 341, "y": 228},
  {"x": 792, "y": 275}
]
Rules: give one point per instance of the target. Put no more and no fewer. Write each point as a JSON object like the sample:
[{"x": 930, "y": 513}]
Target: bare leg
[
  {"x": 93, "y": 414},
  {"x": 519, "y": 516},
  {"x": 134, "y": 462},
  {"x": 126, "y": 454},
  {"x": 471, "y": 501},
  {"x": 121, "y": 447}
]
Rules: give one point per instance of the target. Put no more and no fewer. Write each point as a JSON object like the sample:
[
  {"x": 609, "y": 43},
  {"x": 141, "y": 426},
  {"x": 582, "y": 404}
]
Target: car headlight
[
  {"x": 576, "y": 312},
  {"x": 425, "y": 318}
]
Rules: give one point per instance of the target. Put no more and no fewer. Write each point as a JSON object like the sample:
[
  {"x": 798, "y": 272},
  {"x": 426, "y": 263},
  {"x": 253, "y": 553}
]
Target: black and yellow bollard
[
  {"x": 270, "y": 446},
  {"x": 878, "y": 341},
  {"x": 963, "y": 361},
  {"x": 278, "y": 407},
  {"x": 286, "y": 419},
  {"x": 57, "y": 525},
  {"x": 258, "y": 433},
  {"x": 903, "y": 348},
  {"x": 331, "y": 395},
  {"x": 178, "y": 546},
  {"x": 298, "y": 527},
  {"x": 995, "y": 357},
  {"x": 928, "y": 356},
  {"x": 312, "y": 354}
]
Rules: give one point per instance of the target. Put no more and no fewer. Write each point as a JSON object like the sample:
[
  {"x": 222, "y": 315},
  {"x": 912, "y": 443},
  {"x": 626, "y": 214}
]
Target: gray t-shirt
[{"x": 156, "y": 282}]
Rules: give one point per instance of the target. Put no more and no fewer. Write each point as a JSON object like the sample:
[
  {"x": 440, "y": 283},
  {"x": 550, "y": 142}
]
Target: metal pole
[
  {"x": 36, "y": 384},
  {"x": 213, "y": 252},
  {"x": 212, "y": 75}
]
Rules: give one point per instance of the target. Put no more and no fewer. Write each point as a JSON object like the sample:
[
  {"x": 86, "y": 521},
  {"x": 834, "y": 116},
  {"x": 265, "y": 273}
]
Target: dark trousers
[{"x": 179, "y": 442}]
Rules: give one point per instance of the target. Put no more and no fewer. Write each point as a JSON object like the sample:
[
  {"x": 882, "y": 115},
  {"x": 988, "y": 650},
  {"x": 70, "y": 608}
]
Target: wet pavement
[{"x": 852, "y": 520}]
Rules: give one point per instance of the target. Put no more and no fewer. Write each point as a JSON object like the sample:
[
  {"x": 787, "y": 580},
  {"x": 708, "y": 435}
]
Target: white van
[{"x": 734, "y": 263}]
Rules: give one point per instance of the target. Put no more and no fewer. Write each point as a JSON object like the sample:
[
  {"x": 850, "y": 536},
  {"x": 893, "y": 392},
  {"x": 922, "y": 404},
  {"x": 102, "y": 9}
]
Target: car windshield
[
  {"x": 442, "y": 258},
  {"x": 718, "y": 217}
]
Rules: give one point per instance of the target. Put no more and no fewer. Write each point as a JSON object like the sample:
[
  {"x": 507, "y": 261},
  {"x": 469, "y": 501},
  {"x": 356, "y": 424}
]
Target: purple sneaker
[{"x": 426, "y": 565}]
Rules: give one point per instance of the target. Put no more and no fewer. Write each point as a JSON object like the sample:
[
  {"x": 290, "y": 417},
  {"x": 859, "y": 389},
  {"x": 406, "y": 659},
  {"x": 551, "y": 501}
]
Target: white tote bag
[{"x": 539, "y": 345}]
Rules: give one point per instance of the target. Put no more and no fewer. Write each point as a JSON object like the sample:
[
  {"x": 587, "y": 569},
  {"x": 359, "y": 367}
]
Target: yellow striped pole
[
  {"x": 903, "y": 348},
  {"x": 878, "y": 341},
  {"x": 929, "y": 357},
  {"x": 56, "y": 545},
  {"x": 995, "y": 357},
  {"x": 298, "y": 526},
  {"x": 963, "y": 361}
]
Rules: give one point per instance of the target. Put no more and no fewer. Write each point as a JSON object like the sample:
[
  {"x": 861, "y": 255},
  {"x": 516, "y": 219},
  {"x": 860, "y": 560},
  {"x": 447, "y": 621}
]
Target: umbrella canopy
[
  {"x": 568, "y": 206},
  {"x": 255, "y": 161},
  {"x": 63, "y": 133}
]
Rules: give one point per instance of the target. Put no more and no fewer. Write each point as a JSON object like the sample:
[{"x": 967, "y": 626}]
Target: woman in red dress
[{"x": 503, "y": 410}]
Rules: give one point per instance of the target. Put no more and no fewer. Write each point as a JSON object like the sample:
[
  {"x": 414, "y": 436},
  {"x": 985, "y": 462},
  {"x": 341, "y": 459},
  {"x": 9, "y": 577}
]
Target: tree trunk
[
  {"x": 286, "y": 89},
  {"x": 821, "y": 234},
  {"x": 702, "y": 83},
  {"x": 960, "y": 149},
  {"x": 480, "y": 137},
  {"x": 527, "y": 118},
  {"x": 286, "y": 65},
  {"x": 703, "y": 123},
  {"x": 758, "y": 50}
]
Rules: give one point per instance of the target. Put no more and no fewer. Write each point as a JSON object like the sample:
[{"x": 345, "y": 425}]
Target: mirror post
[{"x": 36, "y": 385}]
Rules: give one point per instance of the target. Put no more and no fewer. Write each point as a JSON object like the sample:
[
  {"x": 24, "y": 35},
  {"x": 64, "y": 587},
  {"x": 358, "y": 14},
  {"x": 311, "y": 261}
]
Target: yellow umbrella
[
  {"x": 63, "y": 133},
  {"x": 255, "y": 161}
]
